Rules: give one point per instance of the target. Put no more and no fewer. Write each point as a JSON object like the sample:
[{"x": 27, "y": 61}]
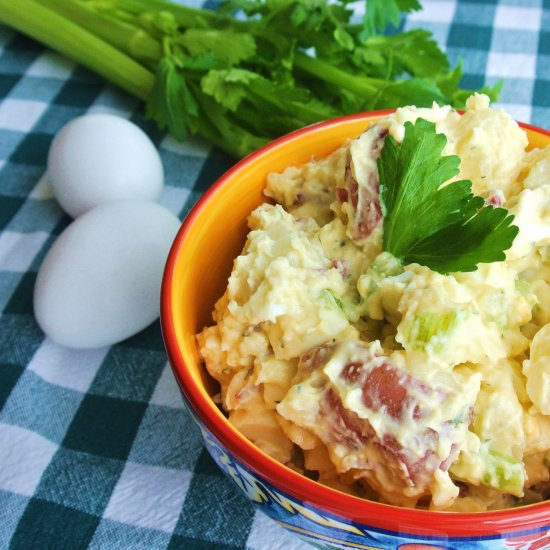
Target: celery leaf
[
  {"x": 444, "y": 227},
  {"x": 381, "y": 13},
  {"x": 228, "y": 86},
  {"x": 417, "y": 91},
  {"x": 230, "y": 46},
  {"x": 171, "y": 103},
  {"x": 413, "y": 51}
]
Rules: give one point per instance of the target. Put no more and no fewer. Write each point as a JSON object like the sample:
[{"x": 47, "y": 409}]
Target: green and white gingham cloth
[{"x": 96, "y": 447}]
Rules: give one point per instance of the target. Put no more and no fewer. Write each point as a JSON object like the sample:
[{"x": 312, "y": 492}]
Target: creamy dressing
[{"x": 394, "y": 382}]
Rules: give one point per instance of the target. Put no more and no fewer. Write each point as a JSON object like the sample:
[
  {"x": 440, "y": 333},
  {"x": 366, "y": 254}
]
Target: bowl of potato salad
[{"x": 358, "y": 316}]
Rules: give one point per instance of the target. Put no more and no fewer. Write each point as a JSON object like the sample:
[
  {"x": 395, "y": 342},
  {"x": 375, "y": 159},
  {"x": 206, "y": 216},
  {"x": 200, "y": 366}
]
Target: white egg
[
  {"x": 100, "y": 281},
  {"x": 100, "y": 158}
]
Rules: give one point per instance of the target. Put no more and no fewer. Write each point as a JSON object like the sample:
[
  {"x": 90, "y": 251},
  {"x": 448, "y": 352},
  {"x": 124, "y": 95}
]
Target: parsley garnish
[{"x": 444, "y": 227}]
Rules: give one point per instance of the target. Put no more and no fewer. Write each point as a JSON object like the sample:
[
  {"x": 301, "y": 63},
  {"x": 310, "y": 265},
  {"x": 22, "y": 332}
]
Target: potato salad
[{"x": 383, "y": 370}]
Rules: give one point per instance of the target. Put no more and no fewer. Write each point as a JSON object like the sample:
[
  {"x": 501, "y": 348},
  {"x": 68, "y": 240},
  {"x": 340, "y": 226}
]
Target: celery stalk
[
  {"x": 363, "y": 86},
  {"x": 132, "y": 40},
  {"x": 61, "y": 34},
  {"x": 184, "y": 15},
  {"x": 125, "y": 40}
]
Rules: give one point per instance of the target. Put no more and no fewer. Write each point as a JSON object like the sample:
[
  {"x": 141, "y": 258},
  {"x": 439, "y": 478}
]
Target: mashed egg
[{"x": 389, "y": 381}]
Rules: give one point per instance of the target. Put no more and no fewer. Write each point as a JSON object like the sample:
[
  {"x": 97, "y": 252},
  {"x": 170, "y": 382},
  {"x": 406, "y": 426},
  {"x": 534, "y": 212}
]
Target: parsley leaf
[{"x": 444, "y": 227}]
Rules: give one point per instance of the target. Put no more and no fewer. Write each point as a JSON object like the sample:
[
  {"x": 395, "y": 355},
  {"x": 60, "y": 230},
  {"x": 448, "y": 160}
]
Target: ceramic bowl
[{"x": 196, "y": 275}]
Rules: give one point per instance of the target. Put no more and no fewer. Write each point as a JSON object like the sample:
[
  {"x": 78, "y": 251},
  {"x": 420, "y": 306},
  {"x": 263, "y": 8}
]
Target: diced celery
[
  {"x": 544, "y": 253},
  {"x": 525, "y": 289},
  {"x": 348, "y": 308},
  {"x": 484, "y": 466},
  {"x": 385, "y": 265},
  {"x": 427, "y": 325},
  {"x": 334, "y": 298},
  {"x": 502, "y": 472}
]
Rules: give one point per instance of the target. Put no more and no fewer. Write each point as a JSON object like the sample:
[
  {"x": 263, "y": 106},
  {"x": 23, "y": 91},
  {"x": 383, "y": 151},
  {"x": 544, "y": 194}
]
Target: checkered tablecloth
[{"x": 96, "y": 447}]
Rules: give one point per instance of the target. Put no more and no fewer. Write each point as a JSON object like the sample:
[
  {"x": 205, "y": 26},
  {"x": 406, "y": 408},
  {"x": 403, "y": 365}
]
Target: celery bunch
[{"x": 242, "y": 81}]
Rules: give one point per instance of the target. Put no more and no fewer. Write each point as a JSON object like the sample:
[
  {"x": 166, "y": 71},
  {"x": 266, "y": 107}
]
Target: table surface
[{"x": 96, "y": 447}]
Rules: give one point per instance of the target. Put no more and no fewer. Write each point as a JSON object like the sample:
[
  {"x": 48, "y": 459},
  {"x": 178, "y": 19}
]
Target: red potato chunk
[
  {"x": 362, "y": 191},
  {"x": 379, "y": 420}
]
